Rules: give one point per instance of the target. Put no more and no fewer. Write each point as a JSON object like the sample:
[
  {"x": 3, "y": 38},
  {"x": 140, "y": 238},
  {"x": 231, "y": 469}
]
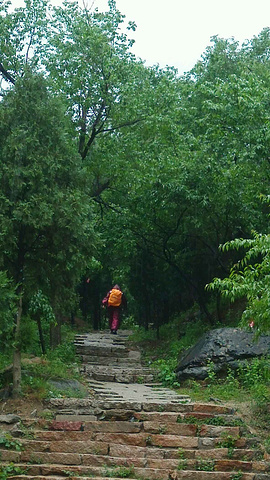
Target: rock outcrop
[{"x": 223, "y": 347}]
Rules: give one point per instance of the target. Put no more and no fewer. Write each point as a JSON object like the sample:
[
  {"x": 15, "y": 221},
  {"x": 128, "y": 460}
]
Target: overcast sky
[{"x": 176, "y": 32}]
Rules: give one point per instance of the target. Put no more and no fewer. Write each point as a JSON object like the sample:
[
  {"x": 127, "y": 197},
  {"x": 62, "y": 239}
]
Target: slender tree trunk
[
  {"x": 17, "y": 370},
  {"x": 41, "y": 338}
]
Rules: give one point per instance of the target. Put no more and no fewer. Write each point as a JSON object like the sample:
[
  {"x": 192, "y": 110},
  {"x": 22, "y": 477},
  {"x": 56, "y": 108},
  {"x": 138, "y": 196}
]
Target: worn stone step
[
  {"x": 164, "y": 416},
  {"x": 93, "y": 406},
  {"x": 116, "y": 351},
  {"x": 183, "y": 475},
  {"x": 98, "y": 360},
  {"x": 119, "y": 375},
  {"x": 134, "y": 391},
  {"x": 187, "y": 475},
  {"x": 133, "y": 472},
  {"x": 161, "y": 417},
  {"x": 197, "y": 463},
  {"x": 76, "y": 418},
  {"x": 143, "y": 439},
  {"x": 118, "y": 369},
  {"x": 66, "y": 453},
  {"x": 99, "y": 426},
  {"x": 129, "y": 451},
  {"x": 195, "y": 417},
  {"x": 42, "y": 477}
]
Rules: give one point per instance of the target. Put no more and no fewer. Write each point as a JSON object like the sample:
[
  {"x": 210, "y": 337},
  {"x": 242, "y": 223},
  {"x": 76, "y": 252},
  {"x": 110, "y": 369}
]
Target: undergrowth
[
  {"x": 10, "y": 470},
  {"x": 249, "y": 383},
  {"x": 38, "y": 373}
]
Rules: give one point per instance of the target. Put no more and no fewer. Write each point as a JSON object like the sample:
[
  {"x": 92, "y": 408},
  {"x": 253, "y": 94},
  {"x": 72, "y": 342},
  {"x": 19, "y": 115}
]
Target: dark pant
[{"x": 114, "y": 317}]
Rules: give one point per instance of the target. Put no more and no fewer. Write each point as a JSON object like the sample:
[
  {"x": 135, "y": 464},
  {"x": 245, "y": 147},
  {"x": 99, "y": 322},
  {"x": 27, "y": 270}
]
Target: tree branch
[
  {"x": 6, "y": 75},
  {"x": 94, "y": 132},
  {"x": 121, "y": 125}
]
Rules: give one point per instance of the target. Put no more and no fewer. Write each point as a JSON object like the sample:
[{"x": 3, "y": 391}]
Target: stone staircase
[{"x": 129, "y": 430}]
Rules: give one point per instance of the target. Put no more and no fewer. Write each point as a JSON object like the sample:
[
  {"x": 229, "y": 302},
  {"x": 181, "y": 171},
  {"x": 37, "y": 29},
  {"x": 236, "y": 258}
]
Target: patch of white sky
[{"x": 177, "y": 32}]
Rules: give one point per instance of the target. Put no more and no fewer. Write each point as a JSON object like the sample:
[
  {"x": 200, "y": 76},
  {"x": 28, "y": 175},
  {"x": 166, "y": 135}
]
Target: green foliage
[
  {"x": 255, "y": 372},
  {"x": 29, "y": 340},
  {"x": 5, "y": 360},
  {"x": 181, "y": 453},
  {"x": 40, "y": 305},
  {"x": 195, "y": 155},
  {"x": 228, "y": 440},
  {"x": 163, "y": 355},
  {"x": 10, "y": 443},
  {"x": 211, "y": 373},
  {"x": 60, "y": 363},
  {"x": 66, "y": 352},
  {"x": 267, "y": 444},
  {"x": 216, "y": 420},
  {"x": 249, "y": 278},
  {"x": 251, "y": 377},
  {"x": 7, "y": 309},
  {"x": 236, "y": 476},
  {"x": 69, "y": 473},
  {"x": 182, "y": 464},
  {"x": 166, "y": 372},
  {"x": 6, "y": 471},
  {"x": 119, "y": 472},
  {"x": 205, "y": 465}
]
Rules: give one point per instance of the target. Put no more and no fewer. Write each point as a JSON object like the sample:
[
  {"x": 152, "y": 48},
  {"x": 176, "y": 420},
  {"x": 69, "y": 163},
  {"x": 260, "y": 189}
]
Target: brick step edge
[
  {"x": 188, "y": 475},
  {"x": 85, "y": 460},
  {"x": 180, "y": 408},
  {"x": 147, "y": 473}
]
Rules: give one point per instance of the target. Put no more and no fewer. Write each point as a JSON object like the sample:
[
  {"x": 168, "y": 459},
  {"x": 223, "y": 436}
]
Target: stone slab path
[
  {"x": 129, "y": 427},
  {"x": 116, "y": 368}
]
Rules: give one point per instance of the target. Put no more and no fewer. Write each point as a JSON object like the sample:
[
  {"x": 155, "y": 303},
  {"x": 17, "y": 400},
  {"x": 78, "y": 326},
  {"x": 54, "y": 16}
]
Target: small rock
[{"x": 9, "y": 418}]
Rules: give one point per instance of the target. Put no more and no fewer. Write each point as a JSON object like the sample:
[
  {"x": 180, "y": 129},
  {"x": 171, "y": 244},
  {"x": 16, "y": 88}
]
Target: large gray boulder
[{"x": 224, "y": 347}]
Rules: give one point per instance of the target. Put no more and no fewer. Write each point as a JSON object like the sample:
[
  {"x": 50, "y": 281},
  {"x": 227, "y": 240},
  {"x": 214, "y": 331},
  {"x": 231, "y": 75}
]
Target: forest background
[{"x": 114, "y": 172}]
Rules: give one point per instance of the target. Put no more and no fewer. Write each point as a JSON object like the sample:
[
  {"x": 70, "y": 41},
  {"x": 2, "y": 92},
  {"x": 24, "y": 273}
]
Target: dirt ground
[{"x": 25, "y": 406}]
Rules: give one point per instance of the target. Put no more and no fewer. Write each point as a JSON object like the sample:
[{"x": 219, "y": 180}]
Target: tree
[
  {"x": 249, "y": 279},
  {"x": 195, "y": 173},
  {"x": 46, "y": 220}
]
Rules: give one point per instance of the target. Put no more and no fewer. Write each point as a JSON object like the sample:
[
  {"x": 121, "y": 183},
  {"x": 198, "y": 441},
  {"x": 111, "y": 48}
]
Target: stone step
[
  {"x": 198, "y": 462},
  {"x": 119, "y": 374},
  {"x": 111, "y": 351},
  {"x": 67, "y": 453},
  {"x": 146, "y": 426},
  {"x": 184, "y": 439},
  {"x": 183, "y": 475},
  {"x": 151, "y": 402},
  {"x": 194, "y": 417},
  {"x": 118, "y": 361},
  {"x": 119, "y": 369},
  {"x": 130, "y": 471},
  {"x": 132, "y": 416}
]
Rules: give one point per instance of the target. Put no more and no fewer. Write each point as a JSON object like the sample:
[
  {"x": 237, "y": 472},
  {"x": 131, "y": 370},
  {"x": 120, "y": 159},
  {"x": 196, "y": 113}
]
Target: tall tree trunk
[
  {"x": 41, "y": 337},
  {"x": 17, "y": 369}
]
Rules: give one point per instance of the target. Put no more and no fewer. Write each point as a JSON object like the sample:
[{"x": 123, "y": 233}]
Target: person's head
[{"x": 117, "y": 287}]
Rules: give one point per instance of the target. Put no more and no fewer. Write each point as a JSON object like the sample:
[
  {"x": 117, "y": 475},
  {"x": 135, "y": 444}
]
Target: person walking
[{"x": 114, "y": 300}]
